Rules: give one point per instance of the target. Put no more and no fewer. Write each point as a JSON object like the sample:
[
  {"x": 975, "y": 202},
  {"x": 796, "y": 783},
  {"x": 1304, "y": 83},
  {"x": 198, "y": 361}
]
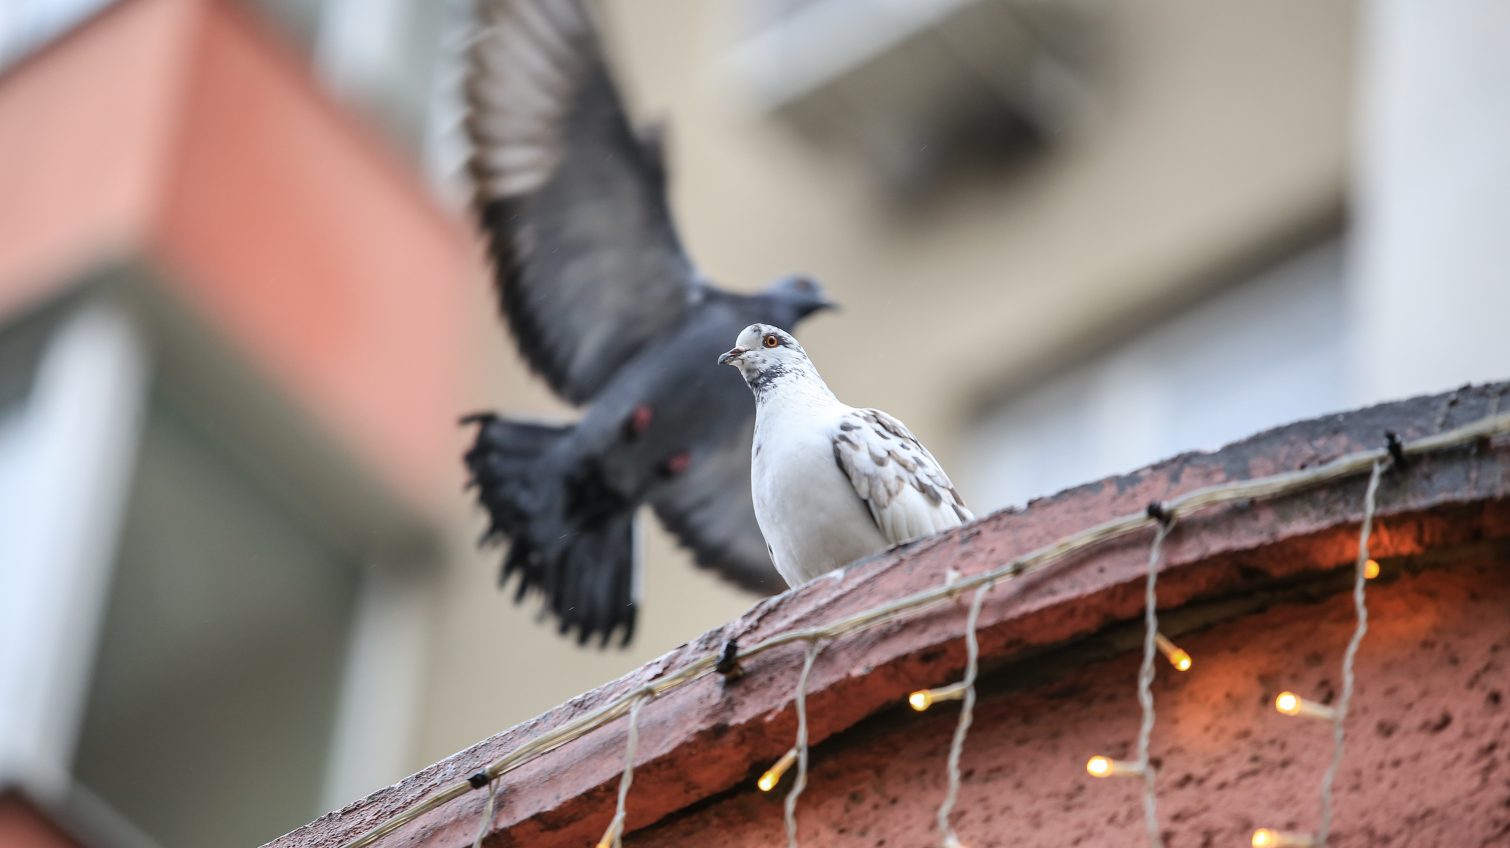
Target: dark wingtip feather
[{"x": 580, "y": 560}]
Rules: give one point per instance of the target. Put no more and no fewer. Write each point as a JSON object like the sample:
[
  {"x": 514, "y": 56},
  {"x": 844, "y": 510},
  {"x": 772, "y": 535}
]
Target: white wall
[{"x": 1430, "y": 297}]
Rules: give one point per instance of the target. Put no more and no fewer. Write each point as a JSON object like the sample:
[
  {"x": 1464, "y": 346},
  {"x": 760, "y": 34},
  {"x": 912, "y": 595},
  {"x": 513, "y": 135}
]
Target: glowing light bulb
[
  {"x": 772, "y": 775},
  {"x": 925, "y": 698},
  {"x": 1099, "y": 766},
  {"x": 1371, "y": 569},
  {"x": 1292, "y": 704},
  {"x": 1266, "y": 838},
  {"x": 1177, "y": 656}
]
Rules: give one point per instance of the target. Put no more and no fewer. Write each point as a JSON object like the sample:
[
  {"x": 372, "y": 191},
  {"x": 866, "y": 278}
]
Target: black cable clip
[
  {"x": 479, "y": 780},
  {"x": 1396, "y": 450},
  {"x": 1160, "y": 513},
  {"x": 728, "y": 661}
]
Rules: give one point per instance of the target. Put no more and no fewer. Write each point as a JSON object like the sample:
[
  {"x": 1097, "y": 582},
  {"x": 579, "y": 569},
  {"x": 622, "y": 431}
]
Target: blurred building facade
[
  {"x": 229, "y": 308},
  {"x": 1069, "y": 239}
]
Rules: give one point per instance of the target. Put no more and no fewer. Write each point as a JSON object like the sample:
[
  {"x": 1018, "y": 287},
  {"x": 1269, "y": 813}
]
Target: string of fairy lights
[
  {"x": 1162, "y": 516},
  {"x": 1287, "y": 703},
  {"x": 613, "y": 837},
  {"x": 1290, "y": 704},
  {"x": 965, "y": 691}
]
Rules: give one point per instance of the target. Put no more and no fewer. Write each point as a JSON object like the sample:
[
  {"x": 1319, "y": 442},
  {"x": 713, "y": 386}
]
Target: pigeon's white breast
[{"x": 806, "y": 507}]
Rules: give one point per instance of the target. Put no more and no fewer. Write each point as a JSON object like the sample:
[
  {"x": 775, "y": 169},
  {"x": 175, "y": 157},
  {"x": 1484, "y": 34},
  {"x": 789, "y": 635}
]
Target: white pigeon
[{"x": 831, "y": 483}]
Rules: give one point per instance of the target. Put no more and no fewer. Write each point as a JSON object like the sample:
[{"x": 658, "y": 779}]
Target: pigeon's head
[
  {"x": 797, "y": 297},
  {"x": 764, "y": 354}
]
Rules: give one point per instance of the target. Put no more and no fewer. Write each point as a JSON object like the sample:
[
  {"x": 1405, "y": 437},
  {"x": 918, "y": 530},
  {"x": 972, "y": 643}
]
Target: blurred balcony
[{"x": 231, "y": 350}]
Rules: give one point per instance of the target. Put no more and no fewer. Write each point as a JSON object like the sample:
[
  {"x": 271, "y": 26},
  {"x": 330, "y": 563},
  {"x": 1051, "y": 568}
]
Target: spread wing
[
  {"x": 586, "y": 258},
  {"x": 902, "y": 485},
  {"x": 710, "y": 511}
]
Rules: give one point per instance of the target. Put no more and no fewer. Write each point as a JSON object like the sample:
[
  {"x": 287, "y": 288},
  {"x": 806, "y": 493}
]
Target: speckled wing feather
[
  {"x": 902, "y": 485},
  {"x": 587, "y": 261}
]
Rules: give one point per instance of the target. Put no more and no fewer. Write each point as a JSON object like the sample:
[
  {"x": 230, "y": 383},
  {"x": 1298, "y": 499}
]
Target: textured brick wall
[{"x": 1428, "y": 759}]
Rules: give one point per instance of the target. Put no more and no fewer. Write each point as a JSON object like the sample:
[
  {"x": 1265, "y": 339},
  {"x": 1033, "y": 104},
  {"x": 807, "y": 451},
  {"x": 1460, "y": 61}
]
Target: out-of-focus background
[{"x": 241, "y": 308}]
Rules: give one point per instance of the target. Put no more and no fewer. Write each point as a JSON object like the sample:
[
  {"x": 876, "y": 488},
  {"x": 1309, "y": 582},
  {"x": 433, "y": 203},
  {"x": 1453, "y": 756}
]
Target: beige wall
[{"x": 1219, "y": 132}]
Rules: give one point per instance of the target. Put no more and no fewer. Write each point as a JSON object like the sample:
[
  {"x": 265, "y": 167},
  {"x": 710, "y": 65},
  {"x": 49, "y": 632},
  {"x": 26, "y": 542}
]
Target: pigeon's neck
[{"x": 797, "y": 385}]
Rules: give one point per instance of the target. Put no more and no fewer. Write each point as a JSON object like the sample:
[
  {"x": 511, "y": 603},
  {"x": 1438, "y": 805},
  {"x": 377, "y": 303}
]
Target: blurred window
[
  {"x": 74, "y": 377},
  {"x": 918, "y": 90},
  {"x": 204, "y": 639},
  {"x": 19, "y": 349},
  {"x": 397, "y": 60},
  {"x": 1265, "y": 352},
  {"x": 212, "y": 706}
]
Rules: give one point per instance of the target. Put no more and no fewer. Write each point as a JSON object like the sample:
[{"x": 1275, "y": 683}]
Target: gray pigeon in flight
[
  {"x": 831, "y": 483},
  {"x": 608, "y": 309}
]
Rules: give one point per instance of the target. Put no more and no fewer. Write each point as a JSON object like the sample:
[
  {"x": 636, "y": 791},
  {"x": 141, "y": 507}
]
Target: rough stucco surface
[
  {"x": 705, "y": 738},
  {"x": 1428, "y": 757}
]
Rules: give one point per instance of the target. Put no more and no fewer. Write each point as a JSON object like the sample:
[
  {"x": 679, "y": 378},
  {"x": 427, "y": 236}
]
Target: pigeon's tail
[{"x": 571, "y": 537}]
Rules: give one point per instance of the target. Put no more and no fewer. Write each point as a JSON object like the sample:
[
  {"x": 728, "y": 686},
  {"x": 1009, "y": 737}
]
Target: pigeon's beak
[{"x": 731, "y": 355}]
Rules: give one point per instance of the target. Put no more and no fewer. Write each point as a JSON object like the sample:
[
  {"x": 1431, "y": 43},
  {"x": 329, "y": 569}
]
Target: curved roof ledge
[{"x": 709, "y": 736}]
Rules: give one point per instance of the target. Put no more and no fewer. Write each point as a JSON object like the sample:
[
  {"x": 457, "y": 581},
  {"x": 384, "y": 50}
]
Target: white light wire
[
  {"x": 1349, "y": 656},
  {"x": 1243, "y": 490},
  {"x": 487, "y": 814},
  {"x": 801, "y": 782},
  {"x": 614, "y": 835},
  {"x": 1145, "y": 684},
  {"x": 947, "y": 837}
]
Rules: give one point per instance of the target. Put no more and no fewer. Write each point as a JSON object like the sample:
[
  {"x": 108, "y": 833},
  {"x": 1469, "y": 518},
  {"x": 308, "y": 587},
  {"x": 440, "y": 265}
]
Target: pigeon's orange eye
[{"x": 772, "y": 341}]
